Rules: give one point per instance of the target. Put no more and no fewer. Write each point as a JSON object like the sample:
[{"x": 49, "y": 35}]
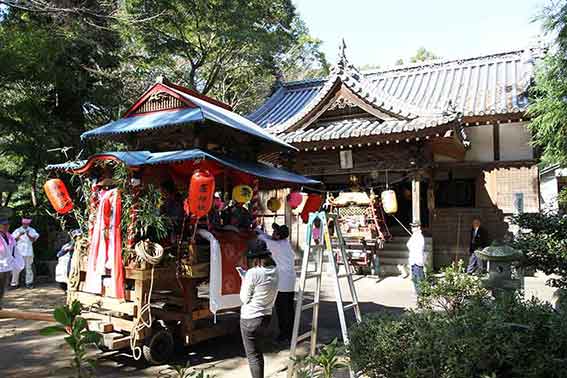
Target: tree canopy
[
  {"x": 548, "y": 104},
  {"x": 69, "y": 65},
  {"x": 421, "y": 55}
]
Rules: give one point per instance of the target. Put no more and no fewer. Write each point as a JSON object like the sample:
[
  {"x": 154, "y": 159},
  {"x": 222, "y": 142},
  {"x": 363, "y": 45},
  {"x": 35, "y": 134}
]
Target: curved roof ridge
[
  {"x": 435, "y": 63},
  {"x": 361, "y": 86}
]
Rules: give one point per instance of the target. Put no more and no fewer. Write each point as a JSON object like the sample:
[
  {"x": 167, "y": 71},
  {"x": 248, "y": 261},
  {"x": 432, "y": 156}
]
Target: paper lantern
[
  {"x": 294, "y": 199},
  {"x": 242, "y": 193},
  {"x": 313, "y": 203},
  {"x": 274, "y": 204},
  {"x": 58, "y": 196},
  {"x": 389, "y": 201},
  {"x": 201, "y": 193}
]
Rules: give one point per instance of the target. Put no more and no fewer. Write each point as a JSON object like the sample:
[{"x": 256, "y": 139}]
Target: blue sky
[{"x": 381, "y": 31}]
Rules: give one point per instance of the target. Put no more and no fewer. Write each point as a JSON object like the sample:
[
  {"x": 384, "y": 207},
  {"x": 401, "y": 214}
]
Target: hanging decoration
[
  {"x": 312, "y": 204},
  {"x": 242, "y": 193},
  {"x": 389, "y": 201},
  {"x": 274, "y": 204},
  {"x": 58, "y": 196},
  {"x": 201, "y": 193},
  {"x": 255, "y": 204},
  {"x": 294, "y": 199}
]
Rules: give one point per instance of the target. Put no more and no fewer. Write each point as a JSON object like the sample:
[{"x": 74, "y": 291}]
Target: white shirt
[
  {"x": 258, "y": 292},
  {"x": 416, "y": 247},
  {"x": 283, "y": 255},
  {"x": 24, "y": 245}
]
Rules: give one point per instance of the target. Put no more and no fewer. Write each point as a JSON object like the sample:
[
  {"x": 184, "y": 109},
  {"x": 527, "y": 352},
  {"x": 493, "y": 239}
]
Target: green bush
[
  {"x": 543, "y": 240},
  {"x": 452, "y": 290},
  {"x": 505, "y": 338}
]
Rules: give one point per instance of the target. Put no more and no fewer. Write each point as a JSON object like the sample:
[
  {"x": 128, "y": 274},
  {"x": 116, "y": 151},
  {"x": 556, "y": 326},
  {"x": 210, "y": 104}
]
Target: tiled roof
[
  {"x": 486, "y": 85},
  {"x": 368, "y": 128},
  {"x": 293, "y": 102},
  {"x": 479, "y": 86}
]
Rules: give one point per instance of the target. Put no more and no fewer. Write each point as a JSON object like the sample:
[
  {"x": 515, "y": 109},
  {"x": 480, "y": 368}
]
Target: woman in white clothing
[
  {"x": 283, "y": 254},
  {"x": 258, "y": 294}
]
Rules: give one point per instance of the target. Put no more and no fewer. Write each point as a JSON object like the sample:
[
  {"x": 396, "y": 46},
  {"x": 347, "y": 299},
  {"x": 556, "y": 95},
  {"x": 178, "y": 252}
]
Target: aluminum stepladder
[{"x": 320, "y": 250}]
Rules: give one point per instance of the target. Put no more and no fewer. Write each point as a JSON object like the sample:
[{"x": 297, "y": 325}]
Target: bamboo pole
[{"x": 26, "y": 315}]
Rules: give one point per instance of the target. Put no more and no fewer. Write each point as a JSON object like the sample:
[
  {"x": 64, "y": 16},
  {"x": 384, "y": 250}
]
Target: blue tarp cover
[
  {"x": 146, "y": 122},
  {"x": 146, "y": 158},
  {"x": 204, "y": 111}
]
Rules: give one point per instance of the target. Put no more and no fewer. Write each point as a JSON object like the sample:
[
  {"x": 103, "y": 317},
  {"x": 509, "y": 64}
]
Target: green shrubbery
[
  {"x": 452, "y": 290},
  {"x": 506, "y": 338},
  {"x": 461, "y": 332},
  {"x": 543, "y": 240}
]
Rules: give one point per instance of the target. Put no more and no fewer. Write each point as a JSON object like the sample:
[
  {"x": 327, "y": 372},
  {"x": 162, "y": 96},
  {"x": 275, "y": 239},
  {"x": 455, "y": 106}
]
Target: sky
[{"x": 382, "y": 31}]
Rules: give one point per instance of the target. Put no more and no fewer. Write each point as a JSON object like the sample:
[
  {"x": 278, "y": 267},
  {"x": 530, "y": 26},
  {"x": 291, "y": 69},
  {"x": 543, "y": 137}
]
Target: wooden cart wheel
[{"x": 159, "y": 348}]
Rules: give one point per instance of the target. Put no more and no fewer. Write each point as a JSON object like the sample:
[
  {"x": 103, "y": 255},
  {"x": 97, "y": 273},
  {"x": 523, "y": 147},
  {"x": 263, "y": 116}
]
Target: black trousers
[
  {"x": 286, "y": 312},
  {"x": 253, "y": 331}
]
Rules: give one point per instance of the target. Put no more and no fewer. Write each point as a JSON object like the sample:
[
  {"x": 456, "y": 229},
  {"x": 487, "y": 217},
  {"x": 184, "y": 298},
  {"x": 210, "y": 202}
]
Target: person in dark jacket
[{"x": 479, "y": 240}]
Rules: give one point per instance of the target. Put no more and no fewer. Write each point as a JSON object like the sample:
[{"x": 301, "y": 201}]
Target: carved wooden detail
[
  {"x": 160, "y": 101},
  {"x": 342, "y": 103}
]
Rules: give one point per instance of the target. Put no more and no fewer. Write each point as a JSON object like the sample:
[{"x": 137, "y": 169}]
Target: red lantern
[
  {"x": 312, "y": 204},
  {"x": 294, "y": 199},
  {"x": 201, "y": 193},
  {"x": 58, "y": 196}
]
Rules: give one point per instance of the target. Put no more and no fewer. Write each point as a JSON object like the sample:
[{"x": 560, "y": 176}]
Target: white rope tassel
[
  {"x": 143, "y": 252},
  {"x": 140, "y": 323}
]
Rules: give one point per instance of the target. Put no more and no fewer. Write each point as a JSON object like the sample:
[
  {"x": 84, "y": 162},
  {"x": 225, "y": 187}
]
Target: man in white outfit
[
  {"x": 416, "y": 247},
  {"x": 278, "y": 244},
  {"x": 25, "y": 236}
]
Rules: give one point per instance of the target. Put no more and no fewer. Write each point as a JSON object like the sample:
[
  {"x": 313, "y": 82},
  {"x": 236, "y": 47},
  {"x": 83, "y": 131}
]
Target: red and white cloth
[
  {"x": 227, "y": 252},
  {"x": 106, "y": 247}
]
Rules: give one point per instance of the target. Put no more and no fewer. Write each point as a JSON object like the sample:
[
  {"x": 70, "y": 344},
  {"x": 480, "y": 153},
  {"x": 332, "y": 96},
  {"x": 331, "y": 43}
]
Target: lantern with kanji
[
  {"x": 201, "y": 193},
  {"x": 58, "y": 196}
]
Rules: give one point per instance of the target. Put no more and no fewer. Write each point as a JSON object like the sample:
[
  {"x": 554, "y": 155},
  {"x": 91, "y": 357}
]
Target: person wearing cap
[
  {"x": 280, "y": 247},
  {"x": 416, "y": 247},
  {"x": 25, "y": 237},
  {"x": 258, "y": 294},
  {"x": 7, "y": 259},
  {"x": 64, "y": 257}
]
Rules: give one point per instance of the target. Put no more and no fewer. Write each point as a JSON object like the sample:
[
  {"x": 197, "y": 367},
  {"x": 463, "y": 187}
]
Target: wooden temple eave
[
  {"x": 341, "y": 92},
  {"x": 489, "y": 165},
  {"x": 374, "y": 140},
  {"x": 491, "y": 119}
]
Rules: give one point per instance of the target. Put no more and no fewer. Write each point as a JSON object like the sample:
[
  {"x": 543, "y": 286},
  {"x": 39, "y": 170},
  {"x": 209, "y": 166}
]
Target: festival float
[
  {"x": 166, "y": 219},
  {"x": 362, "y": 221}
]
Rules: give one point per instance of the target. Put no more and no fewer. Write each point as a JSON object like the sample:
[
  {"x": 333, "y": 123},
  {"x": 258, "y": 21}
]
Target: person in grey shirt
[{"x": 258, "y": 294}]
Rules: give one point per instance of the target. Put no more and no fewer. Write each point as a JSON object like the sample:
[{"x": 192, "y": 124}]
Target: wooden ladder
[{"x": 317, "y": 274}]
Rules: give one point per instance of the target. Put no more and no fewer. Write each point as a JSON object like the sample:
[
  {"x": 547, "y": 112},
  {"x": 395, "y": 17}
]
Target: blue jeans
[
  {"x": 475, "y": 264},
  {"x": 417, "y": 275}
]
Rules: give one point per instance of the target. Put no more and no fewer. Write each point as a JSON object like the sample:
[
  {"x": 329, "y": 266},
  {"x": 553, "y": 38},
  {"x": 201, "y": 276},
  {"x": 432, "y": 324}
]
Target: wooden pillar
[{"x": 415, "y": 198}]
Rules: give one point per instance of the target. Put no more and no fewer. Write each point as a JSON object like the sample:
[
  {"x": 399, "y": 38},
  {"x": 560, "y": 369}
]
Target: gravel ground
[{"x": 24, "y": 353}]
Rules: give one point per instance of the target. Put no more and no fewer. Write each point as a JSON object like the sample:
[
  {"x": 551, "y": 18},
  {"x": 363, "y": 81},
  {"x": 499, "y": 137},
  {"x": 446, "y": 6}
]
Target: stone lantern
[{"x": 500, "y": 258}]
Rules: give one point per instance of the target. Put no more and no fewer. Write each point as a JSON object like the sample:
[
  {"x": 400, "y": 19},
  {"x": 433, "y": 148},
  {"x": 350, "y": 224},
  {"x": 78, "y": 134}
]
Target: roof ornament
[
  {"x": 344, "y": 65},
  {"x": 450, "y": 108},
  {"x": 342, "y": 52}
]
